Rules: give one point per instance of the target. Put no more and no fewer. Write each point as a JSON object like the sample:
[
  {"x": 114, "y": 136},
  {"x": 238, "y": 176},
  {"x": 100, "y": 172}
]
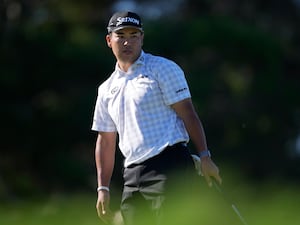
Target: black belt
[
  {"x": 169, "y": 148},
  {"x": 179, "y": 144}
]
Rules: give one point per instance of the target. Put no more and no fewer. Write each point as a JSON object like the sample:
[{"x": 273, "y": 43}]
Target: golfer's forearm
[
  {"x": 196, "y": 132},
  {"x": 105, "y": 167},
  {"x": 192, "y": 123},
  {"x": 105, "y": 158}
]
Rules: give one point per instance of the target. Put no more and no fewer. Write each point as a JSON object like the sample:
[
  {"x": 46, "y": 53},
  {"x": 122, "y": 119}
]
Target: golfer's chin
[{"x": 128, "y": 58}]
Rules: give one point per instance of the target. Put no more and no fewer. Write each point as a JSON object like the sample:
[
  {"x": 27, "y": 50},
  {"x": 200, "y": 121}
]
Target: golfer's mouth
[{"x": 127, "y": 51}]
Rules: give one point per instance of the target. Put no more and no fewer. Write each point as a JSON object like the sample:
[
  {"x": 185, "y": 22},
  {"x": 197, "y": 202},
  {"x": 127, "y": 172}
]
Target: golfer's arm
[
  {"x": 185, "y": 110},
  {"x": 105, "y": 157}
]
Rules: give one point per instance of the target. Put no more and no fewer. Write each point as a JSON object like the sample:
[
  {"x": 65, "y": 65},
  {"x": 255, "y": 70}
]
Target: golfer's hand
[
  {"x": 102, "y": 206},
  {"x": 210, "y": 170}
]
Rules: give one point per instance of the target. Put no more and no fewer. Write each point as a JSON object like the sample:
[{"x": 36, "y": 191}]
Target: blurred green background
[{"x": 241, "y": 59}]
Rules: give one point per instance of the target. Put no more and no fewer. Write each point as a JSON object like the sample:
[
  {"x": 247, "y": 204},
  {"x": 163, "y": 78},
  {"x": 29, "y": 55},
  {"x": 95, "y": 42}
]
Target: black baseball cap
[{"x": 125, "y": 19}]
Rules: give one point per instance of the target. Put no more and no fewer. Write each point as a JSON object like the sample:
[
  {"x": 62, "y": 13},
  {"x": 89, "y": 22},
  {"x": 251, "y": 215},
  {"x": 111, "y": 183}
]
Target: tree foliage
[{"x": 241, "y": 60}]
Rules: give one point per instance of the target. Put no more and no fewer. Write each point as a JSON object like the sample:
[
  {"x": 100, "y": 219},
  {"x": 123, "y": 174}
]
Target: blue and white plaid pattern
[{"x": 136, "y": 104}]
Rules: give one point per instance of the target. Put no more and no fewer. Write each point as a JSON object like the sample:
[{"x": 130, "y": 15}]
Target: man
[{"x": 147, "y": 103}]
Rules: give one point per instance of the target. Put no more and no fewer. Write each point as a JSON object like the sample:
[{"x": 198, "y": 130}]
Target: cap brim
[{"x": 124, "y": 27}]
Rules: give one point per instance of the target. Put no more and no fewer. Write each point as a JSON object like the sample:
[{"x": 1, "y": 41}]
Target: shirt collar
[{"x": 141, "y": 59}]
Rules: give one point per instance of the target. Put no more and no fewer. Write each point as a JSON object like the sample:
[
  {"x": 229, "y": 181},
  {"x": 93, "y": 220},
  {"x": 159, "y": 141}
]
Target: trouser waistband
[{"x": 164, "y": 153}]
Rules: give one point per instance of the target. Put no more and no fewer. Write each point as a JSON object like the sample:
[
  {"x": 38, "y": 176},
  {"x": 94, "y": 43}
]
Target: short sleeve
[
  {"x": 172, "y": 82},
  {"x": 102, "y": 120}
]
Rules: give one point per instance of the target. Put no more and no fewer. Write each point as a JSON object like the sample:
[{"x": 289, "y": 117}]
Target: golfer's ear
[
  {"x": 142, "y": 34},
  {"x": 108, "y": 40}
]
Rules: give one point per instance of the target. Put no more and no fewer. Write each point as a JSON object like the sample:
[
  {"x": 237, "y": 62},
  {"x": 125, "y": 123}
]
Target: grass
[
  {"x": 57, "y": 209},
  {"x": 264, "y": 204}
]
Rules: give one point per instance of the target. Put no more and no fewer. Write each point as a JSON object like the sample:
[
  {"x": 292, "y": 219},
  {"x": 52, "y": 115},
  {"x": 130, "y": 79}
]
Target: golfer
[{"x": 146, "y": 104}]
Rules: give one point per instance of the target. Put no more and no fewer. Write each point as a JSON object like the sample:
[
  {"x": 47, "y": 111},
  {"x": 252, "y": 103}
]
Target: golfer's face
[{"x": 126, "y": 44}]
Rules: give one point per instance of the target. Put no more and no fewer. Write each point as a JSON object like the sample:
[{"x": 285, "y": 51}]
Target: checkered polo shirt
[{"x": 136, "y": 104}]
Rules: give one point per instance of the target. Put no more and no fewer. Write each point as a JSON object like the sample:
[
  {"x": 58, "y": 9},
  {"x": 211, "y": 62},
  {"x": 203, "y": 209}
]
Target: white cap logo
[{"x": 127, "y": 20}]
